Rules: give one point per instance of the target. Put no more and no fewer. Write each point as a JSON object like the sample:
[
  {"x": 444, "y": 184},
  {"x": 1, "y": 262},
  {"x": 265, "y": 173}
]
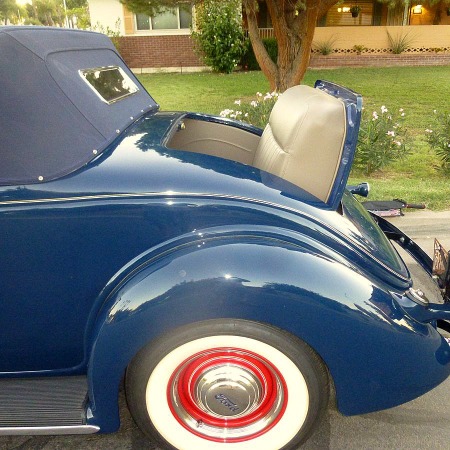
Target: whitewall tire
[{"x": 227, "y": 384}]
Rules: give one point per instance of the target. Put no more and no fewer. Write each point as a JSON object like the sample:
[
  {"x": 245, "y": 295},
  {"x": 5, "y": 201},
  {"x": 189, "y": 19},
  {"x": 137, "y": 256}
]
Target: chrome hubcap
[
  {"x": 228, "y": 391},
  {"x": 227, "y": 394}
]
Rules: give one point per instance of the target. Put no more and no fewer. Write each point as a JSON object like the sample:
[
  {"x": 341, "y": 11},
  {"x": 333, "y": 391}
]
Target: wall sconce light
[
  {"x": 417, "y": 9},
  {"x": 345, "y": 9}
]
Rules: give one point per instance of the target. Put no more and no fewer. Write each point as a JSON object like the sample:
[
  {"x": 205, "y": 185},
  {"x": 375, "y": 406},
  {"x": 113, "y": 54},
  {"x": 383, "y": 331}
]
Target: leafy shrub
[
  {"x": 382, "y": 140},
  {"x": 399, "y": 43},
  {"x": 359, "y": 48},
  {"x": 256, "y": 112},
  {"x": 249, "y": 61},
  {"x": 271, "y": 45},
  {"x": 438, "y": 136},
  {"x": 219, "y": 36},
  {"x": 32, "y": 21},
  {"x": 325, "y": 47},
  {"x": 113, "y": 34}
]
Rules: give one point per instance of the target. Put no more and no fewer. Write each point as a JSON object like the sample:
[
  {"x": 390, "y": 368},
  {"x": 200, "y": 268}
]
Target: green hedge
[{"x": 248, "y": 61}]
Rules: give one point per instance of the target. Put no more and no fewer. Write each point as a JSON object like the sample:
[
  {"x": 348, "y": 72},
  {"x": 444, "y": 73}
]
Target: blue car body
[{"x": 112, "y": 248}]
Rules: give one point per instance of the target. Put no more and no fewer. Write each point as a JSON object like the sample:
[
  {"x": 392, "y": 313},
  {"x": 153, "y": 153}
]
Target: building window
[{"x": 176, "y": 18}]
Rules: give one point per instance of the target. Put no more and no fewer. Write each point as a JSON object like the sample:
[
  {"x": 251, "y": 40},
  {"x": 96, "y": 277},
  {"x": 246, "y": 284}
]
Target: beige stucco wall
[
  {"x": 424, "y": 36},
  {"x": 106, "y": 13}
]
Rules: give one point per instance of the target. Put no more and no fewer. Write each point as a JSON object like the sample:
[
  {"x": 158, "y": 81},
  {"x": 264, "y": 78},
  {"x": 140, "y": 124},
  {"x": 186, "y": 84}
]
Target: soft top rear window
[{"x": 111, "y": 84}]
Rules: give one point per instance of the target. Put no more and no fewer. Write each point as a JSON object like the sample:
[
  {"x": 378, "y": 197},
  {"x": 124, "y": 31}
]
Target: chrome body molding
[{"x": 78, "y": 429}]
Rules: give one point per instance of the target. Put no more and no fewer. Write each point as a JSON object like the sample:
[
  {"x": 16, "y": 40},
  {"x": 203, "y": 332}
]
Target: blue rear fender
[{"x": 355, "y": 326}]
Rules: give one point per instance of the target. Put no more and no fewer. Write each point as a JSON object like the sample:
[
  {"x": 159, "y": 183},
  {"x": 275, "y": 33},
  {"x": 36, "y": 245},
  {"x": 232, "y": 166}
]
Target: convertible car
[{"x": 222, "y": 274}]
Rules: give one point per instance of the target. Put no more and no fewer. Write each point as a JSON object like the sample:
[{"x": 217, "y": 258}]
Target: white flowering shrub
[
  {"x": 256, "y": 112},
  {"x": 218, "y": 35},
  {"x": 382, "y": 139},
  {"x": 382, "y": 135},
  {"x": 438, "y": 136}
]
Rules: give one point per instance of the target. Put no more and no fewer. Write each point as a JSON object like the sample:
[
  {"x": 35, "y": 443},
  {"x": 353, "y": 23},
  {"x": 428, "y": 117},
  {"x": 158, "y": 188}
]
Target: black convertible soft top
[{"x": 64, "y": 96}]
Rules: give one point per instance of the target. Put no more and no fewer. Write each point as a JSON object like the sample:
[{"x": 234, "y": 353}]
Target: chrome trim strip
[
  {"x": 75, "y": 429},
  {"x": 171, "y": 194}
]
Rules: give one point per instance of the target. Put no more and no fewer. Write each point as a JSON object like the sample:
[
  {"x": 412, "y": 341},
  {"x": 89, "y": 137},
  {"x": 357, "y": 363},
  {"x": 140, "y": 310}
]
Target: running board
[{"x": 43, "y": 405}]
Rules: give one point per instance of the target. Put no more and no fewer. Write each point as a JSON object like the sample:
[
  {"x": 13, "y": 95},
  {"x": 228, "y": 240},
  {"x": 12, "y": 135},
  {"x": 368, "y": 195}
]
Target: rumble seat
[{"x": 304, "y": 139}]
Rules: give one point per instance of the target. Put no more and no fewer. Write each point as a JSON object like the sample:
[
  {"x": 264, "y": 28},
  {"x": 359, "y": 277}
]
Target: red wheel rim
[{"x": 227, "y": 395}]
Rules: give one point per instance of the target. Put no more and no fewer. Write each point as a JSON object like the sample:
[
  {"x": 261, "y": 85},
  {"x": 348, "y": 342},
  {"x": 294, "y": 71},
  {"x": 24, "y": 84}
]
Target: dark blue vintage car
[{"x": 223, "y": 273}]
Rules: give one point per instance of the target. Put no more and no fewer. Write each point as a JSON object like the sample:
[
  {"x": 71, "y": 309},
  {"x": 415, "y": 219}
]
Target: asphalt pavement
[
  {"x": 423, "y": 226},
  {"x": 420, "y": 425}
]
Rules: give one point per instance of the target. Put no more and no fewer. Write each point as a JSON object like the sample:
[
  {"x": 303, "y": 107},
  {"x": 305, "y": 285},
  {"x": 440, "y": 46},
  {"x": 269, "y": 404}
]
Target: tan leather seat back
[{"x": 304, "y": 139}]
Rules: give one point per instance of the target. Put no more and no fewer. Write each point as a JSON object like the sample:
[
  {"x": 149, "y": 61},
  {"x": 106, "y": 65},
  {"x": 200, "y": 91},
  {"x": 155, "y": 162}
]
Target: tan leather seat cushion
[{"x": 304, "y": 139}]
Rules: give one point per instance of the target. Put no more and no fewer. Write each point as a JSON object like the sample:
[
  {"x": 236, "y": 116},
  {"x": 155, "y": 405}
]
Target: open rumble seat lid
[{"x": 66, "y": 94}]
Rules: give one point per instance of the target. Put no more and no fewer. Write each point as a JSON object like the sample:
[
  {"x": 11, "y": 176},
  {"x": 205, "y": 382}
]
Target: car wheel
[{"x": 233, "y": 382}]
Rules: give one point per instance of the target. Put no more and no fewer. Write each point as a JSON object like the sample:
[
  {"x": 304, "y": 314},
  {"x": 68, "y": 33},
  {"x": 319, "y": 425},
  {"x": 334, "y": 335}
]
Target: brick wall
[
  {"x": 175, "y": 51},
  {"x": 380, "y": 60}
]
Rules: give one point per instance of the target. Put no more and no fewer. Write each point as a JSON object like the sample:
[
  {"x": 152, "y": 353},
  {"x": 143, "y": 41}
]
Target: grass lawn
[{"x": 418, "y": 90}]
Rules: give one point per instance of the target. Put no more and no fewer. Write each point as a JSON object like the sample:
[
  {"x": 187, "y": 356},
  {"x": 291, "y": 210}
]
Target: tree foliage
[
  {"x": 8, "y": 10},
  {"x": 52, "y": 13},
  {"x": 153, "y": 7},
  {"x": 78, "y": 14}
]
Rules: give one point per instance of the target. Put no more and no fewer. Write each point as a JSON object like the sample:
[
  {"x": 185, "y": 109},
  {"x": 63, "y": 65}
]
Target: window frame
[
  {"x": 130, "y": 88},
  {"x": 165, "y": 31}
]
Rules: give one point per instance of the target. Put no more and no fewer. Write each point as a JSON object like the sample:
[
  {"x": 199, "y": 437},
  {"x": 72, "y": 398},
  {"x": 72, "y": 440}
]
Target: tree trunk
[
  {"x": 268, "y": 67},
  {"x": 294, "y": 46},
  {"x": 294, "y": 31}
]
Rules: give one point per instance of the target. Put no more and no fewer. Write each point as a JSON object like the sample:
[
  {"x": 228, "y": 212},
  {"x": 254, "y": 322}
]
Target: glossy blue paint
[
  {"x": 99, "y": 255},
  {"x": 144, "y": 238},
  {"x": 228, "y": 274}
]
